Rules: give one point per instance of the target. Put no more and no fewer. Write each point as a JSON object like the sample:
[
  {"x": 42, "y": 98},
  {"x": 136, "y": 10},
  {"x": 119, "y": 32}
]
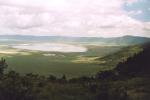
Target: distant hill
[{"x": 125, "y": 40}]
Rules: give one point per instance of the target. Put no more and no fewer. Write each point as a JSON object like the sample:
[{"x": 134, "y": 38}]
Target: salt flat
[{"x": 52, "y": 47}]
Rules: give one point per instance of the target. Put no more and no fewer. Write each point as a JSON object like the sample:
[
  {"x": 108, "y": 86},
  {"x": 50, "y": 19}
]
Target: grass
[{"x": 70, "y": 64}]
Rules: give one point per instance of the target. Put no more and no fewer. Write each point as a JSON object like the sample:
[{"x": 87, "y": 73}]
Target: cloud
[
  {"x": 129, "y": 2},
  {"x": 69, "y": 17},
  {"x": 146, "y": 29},
  {"x": 135, "y": 12}
]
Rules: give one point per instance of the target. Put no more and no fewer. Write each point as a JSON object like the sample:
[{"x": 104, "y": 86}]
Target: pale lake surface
[{"x": 51, "y": 47}]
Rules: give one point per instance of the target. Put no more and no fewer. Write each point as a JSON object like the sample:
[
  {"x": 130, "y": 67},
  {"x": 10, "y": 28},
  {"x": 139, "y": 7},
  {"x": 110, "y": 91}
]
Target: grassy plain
[{"x": 56, "y": 63}]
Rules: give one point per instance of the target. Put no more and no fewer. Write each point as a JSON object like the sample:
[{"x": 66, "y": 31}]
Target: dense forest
[{"x": 130, "y": 80}]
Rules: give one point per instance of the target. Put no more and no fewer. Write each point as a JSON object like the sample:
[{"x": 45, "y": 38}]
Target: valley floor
[{"x": 57, "y": 63}]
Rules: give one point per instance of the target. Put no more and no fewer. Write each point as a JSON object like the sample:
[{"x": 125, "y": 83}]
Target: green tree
[{"x": 3, "y": 65}]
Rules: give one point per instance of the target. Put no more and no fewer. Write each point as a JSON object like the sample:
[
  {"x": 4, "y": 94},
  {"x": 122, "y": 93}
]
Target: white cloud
[
  {"x": 68, "y": 17},
  {"x": 129, "y": 2},
  {"x": 135, "y": 12}
]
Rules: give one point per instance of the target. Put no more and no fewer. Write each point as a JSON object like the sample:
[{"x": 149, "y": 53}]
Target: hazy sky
[{"x": 104, "y": 18}]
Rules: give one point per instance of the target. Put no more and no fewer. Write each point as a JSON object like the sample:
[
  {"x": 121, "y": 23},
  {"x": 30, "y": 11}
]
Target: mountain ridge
[{"x": 124, "y": 40}]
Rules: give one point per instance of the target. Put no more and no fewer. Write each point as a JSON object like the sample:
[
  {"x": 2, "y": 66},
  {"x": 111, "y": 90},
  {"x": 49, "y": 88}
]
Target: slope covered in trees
[{"x": 137, "y": 65}]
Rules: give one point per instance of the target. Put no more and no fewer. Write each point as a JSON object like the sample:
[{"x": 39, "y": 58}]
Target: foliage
[
  {"x": 136, "y": 65},
  {"x": 128, "y": 81},
  {"x": 3, "y": 65}
]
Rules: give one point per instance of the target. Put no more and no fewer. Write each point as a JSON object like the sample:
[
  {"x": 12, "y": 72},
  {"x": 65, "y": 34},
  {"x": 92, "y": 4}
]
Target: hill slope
[
  {"x": 110, "y": 61},
  {"x": 136, "y": 65}
]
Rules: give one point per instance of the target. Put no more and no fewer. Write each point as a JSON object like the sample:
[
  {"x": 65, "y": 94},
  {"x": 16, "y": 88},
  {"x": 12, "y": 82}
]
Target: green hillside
[{"x": 111, "y": 60}]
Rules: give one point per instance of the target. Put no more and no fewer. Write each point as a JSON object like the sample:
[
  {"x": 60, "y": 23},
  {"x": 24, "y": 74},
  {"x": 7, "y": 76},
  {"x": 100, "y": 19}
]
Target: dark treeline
[
  {"x": 128, "y": 81},
  {"x": 137, "y": 65}
]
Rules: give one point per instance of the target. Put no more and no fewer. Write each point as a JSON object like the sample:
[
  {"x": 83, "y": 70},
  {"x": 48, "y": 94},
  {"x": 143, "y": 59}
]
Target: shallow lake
[{"x": 52, "y": 47}]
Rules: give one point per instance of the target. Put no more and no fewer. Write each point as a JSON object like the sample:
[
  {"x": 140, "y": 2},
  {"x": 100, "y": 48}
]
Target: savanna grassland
[
  {"x": 106, "y": 70},
  {"x": 72, "y": 56},
  {"x": 55, "y": 63}
]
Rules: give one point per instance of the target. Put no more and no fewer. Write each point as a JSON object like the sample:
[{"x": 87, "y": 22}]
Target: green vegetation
[
  {"x": 71, "y": 64},
  {"x": 102, "y": 54},
  {"x": 129, "y": 80},
  {"x": 55, "y": 63},
  {"x": 102, "y": 73},
  {"x": 110, "y": 61}
]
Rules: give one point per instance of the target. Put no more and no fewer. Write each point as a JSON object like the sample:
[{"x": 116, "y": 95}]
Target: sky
[{"x": 81, "y": 18}]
